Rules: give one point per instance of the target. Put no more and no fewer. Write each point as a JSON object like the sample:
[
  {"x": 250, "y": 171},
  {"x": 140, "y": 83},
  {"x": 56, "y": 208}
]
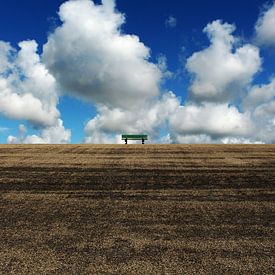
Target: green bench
[{"x": 134, "y": 137}]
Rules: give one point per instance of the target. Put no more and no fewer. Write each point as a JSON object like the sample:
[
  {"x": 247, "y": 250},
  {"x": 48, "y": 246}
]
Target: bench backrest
[{"x": 135, "y": 137}]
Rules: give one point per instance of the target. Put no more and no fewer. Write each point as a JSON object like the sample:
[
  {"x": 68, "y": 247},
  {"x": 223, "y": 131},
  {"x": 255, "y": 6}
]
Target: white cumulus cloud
[
  {"x": 108, "y": 125},
  {"x": 260, "y": 94},
  {"x": 55, "y": 134},
  {"x": 265, "y": 30},
  {"x": 89, "y": 57},
  {"x": 260, "y": 102},
  {"x": 221, "y": 74},
  {"x": 27, "y": 90},
  {"x": 222, "y": 71},
  {"x": 211, "y": 120},
  {"x": 5, "y": 54},
  {"x": 92, "y": 59}
]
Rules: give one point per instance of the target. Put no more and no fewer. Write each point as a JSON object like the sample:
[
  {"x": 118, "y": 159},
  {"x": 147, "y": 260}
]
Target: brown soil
[{"x": 137, "y": 209}]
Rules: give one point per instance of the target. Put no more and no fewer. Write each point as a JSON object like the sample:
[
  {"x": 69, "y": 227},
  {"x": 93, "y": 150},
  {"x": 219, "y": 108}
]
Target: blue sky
[{"x": 147, "y": 20}]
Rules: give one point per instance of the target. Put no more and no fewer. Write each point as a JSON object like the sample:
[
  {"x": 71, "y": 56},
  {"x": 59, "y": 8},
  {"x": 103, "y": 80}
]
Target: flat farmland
[{"x": 137, "y": 209}]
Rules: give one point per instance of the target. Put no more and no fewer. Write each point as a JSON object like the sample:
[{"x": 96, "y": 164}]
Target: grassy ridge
[{"x": 152, "y": 209}]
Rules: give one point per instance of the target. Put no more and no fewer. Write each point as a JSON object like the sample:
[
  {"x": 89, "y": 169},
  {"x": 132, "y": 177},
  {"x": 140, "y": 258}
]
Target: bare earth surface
[{"x": 151, "y": 209}]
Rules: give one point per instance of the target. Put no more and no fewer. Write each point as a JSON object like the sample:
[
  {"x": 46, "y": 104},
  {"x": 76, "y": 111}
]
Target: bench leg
[
  {"x": 142, "y": 141},
  {"x": 125, "y": 140}
]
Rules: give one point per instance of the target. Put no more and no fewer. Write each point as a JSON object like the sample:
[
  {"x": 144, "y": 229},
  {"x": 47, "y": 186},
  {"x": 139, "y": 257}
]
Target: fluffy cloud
[
  {"x": 206, "y": 139},
  {"x": 233, "y": 140},
  {"x": 260, "y": 95},
  {"x": 265, "y": 31},
  {"x": 220, "y": 71},
  {"x": 162, "y": 65},
  {"x": 210, "y": 120},
  {"x": 92, "y": 59},
  {"x": 27, "y": 90},
  {"x": 190, "y": 139},
  {"x": 260, "y": 102},
  {"x": 5, "y": 52},
  {"x": 55, "y": 134},
  {"x": 89, "y": 57},
  {"x": 107, "y": 126}
]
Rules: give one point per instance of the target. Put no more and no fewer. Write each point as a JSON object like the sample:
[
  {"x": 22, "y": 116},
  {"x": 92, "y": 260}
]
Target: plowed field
[{"x": 137, "y": 209}]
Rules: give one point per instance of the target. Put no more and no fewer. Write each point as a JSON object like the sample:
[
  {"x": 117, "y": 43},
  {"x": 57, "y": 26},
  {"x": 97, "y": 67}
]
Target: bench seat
[{"x": 134, "y": 137}]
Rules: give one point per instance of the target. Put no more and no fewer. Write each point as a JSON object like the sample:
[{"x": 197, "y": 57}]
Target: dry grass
[{"x": 152, "y": 209}]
